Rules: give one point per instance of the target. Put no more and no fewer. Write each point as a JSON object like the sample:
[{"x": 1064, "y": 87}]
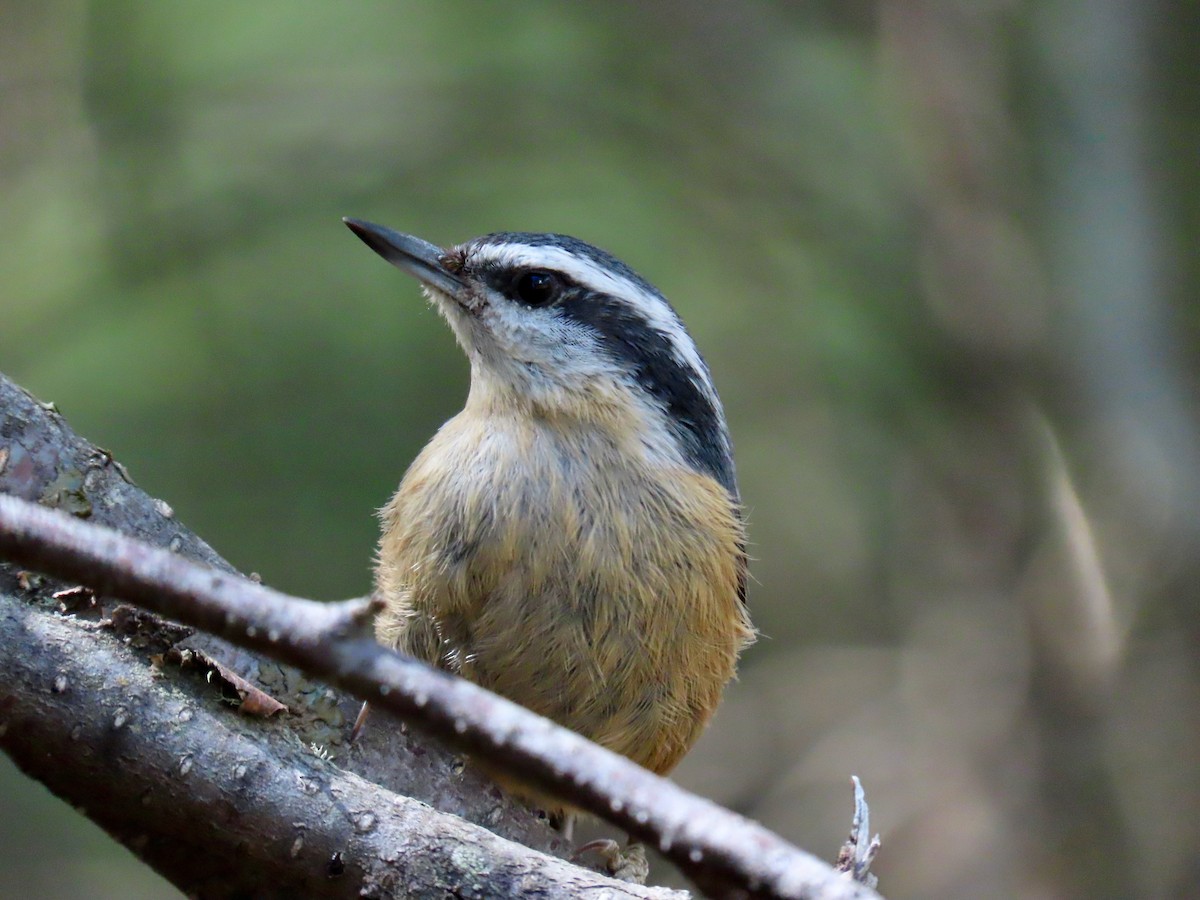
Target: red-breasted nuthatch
[{"x": 572, "y": 539}]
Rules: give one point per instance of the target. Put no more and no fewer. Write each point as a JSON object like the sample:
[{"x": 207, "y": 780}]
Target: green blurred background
[{"x": 941, "y": 257}]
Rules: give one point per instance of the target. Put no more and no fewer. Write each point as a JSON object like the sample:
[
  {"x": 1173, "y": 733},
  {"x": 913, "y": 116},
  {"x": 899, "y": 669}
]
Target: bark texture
[{"x": 222, "y": 812}]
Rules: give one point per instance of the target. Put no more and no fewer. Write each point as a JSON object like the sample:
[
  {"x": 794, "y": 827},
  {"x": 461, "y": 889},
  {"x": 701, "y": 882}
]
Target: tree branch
[
  {"x": 723, "y": 853},
  {"x": 222, "y": 812},
  {"x": 41, "y": 458}
]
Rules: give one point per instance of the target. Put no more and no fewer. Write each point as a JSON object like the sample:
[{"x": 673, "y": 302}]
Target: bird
[{"x": 574, "y": 538}]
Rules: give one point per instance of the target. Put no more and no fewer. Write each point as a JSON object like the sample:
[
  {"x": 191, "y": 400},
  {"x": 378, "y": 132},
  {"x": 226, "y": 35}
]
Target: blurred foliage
[{"x": 941, "y": 259}]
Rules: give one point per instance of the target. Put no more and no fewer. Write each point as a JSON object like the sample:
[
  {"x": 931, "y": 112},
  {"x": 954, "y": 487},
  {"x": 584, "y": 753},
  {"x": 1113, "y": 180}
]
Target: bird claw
[{"x": 628, "y": 864}]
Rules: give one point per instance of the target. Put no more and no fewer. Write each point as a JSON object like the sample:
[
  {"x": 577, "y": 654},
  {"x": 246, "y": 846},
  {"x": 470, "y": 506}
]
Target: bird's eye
[{"x": 537, "y": 288}]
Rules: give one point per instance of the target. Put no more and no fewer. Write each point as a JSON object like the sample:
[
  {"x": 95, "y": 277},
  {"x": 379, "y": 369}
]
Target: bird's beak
[{"x": 418, "y": 258}]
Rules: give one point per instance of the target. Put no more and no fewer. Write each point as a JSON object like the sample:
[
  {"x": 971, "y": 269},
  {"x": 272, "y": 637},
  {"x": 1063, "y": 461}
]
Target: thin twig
[
  {"x": 723, "y": 853},
  {"x": 860, "y": 849}
]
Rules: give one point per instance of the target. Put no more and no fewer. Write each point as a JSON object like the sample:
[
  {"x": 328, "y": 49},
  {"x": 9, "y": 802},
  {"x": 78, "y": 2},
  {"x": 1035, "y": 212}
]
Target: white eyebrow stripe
[{"x": 649, "y": 304}]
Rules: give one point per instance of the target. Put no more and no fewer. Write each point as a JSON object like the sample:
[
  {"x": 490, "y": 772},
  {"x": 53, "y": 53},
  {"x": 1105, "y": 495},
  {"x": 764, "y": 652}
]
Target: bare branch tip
[
  {"x": 349, "y": 616},
  {"x": 859, "y": 851}
]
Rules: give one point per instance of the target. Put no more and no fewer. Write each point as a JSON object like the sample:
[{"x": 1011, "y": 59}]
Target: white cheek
[
  {"x": 460, "y": 321},
  {"x": 539, "y": 336}
]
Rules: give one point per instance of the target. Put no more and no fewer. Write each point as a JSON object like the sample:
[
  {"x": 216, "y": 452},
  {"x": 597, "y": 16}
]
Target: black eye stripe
[
  {"x": 530, "y": 287},
  {"x": 697, "y": 422}
]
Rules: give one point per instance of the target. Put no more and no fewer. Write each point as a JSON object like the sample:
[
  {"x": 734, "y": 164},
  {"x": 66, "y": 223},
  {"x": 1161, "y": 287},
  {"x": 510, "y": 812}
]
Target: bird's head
[{"x": 561, "y": 329}]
